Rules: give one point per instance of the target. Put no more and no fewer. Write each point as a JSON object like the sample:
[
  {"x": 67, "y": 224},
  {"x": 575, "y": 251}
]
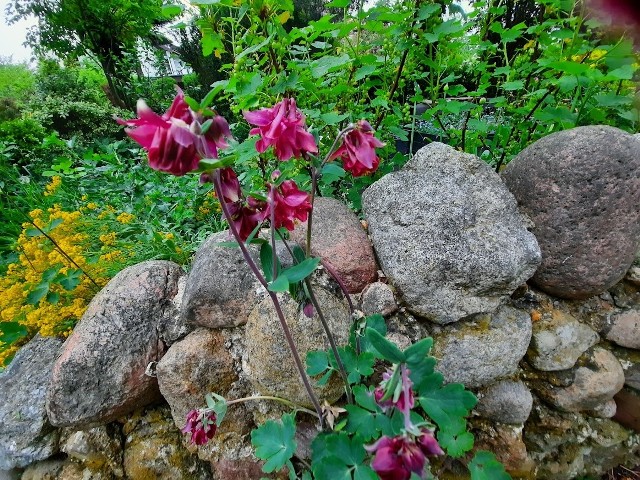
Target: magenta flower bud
[
  {"x": 308, "y": 310},
  {"x": 428, "y": 444},
  {"x": 358, "y": 150},
  {"x": 282, "y": 126}
]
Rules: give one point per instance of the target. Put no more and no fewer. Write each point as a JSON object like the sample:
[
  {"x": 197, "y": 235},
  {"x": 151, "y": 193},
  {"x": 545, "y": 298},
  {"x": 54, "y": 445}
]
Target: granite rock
[
  {"x": 581, "y": 188},
  {"x": 26, "y": 435},
  {"x": 448, "y": 235}
]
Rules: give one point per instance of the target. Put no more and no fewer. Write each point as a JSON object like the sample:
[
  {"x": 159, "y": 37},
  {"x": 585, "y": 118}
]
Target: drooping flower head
[
  {"x": 397, "y": 458},
  {"x": 289, "y": 204},
  {"x": 428, "y": 444},
  {"x": 173, "y": 141},
  {"x": 282, "y": 126},
  {"x": 201, "y": 425},
  {"x": 358, "y": 150},
  {"x": 245, "y": 213}
]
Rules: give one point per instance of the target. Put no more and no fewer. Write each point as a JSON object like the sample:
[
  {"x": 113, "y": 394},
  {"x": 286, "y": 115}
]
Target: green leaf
[
  {"x": 38, "y": 293},
  {"x": 320, "y": 67},
  {"x": 363, "y": 72},
  {"x": 280, "y": 284},
  {"x": 71, "y": 280},
  {"x": 331, "y": 118},
  {"x": 332, "y": 467},
  {"x": 448, "y": 404},
  {"x": 275, "y": 443},
  {"x": 365, "y": 472},
  {"x": 384, "y": 347},
  {"x": 11, "y": 332},
  {"x": 418, "y": 352},
  {"x": 361, "y": 421},
  {"x": 364, "y": 397},
  {"x": 339, "y": 4},
  {"x": 485, "y": 466},
  {"x": 455, "y": 444},
  {"x": 266, "y": 260},
  {"x": 50, "y": 273},
  {"x": 511, "y": 86},
  {"x": 53, "y": 298},
  {"x": 170, "y": 11},
  {"x": 317, "y": 362},
  {"x": 302, "y": 270},
  {"x": 217, "y": 88}
]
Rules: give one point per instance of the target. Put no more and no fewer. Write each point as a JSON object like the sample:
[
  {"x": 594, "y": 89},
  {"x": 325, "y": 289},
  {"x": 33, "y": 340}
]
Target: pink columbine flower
[
  {"x": 358, "y": 150},
  {"x": 397, "y": 458},
  {"x": 406, "y": 399},
  {"x": 289, "y": 204},
  {"x": 282, "y": 126},
  {"x": 245, "y": 213},
  {"x": 173, "y": 141},
  {"x": 201, "y": 425}
]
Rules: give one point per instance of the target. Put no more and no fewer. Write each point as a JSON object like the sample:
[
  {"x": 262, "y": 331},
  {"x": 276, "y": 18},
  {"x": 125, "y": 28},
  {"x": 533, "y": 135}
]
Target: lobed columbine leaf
[
  {"x": 485, "y": 466},
  {"x": 275, "y": 443}
]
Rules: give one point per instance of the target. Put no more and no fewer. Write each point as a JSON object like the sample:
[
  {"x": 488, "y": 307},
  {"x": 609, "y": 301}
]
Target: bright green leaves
[
  {"x": 11, "y": 332},
  {"x": 448, "y": 406},
  {"x": 384, "y": 347},
  {"x": 274, "y": 442},
  {"x": 339, "y": 456},
  {"x": 69, "y": 281},
  {"x": 284, "y": 279},
  {"x": 485, "y": 466}
]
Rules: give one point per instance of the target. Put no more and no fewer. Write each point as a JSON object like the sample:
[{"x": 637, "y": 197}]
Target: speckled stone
[{"x": 581, "y": 188}]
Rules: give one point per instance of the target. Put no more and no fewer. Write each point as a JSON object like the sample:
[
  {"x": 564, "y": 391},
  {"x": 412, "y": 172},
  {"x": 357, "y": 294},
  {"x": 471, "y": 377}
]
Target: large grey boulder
[
  {"x": 581, "y": 188},
  {"x": 268, "y": 362},
  {"x": 221, "y": 290},
  {"x": 448, "y": 234},
  {"x": 483, "y": 349},
  {"x": 100, "y": 374},
  {"x": 26, "y": 435}
]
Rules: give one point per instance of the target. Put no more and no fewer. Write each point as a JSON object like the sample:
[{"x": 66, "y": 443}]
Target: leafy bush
[{"x": 17, "y": 82}]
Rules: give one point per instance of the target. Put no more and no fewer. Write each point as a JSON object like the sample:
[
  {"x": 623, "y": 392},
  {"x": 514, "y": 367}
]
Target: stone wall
[{"x": 529, "y": 284}]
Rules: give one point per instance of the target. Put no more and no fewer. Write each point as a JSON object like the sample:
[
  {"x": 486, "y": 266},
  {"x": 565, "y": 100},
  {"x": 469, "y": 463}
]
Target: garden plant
[{"x": 78, "y": 203}]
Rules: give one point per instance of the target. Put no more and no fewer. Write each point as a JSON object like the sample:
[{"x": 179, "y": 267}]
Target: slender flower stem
[
  {"x": 327, "y": 330},
  {"x": 274, "y": 299},
  {"x": 340, "y": 283},
  {"x": 284, "y": 401},
  {"x": 272, "y": 229},
  {"x": 332, "y": 341}
]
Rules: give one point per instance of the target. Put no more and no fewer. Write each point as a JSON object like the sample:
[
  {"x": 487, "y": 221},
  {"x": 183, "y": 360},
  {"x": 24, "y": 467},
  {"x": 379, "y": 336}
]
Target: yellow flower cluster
[
  {"x": 57, "y": 312},
  {"x": 125, "y": 218},
  {"x": 52, "y": 186},
  {"x": 108, "y": 238},
  {"x": 209, "y": 205}
]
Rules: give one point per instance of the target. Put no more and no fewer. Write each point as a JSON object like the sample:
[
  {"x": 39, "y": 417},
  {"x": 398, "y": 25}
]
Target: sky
[{"x": 13, "y": 36}]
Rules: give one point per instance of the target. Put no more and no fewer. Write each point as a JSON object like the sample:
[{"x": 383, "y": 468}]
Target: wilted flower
[
  {"x": 201, "y": 425},
  {"x": 245, "y": 213},
  {"x": 358, "y": 150},
  {"x": 397, "y": 458},
  {"x": 283, "y": 127},
  {"x": 384, "y": 394},
  {"x": 173, "y": 141},
  {"x": 289, "y": 203}
]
